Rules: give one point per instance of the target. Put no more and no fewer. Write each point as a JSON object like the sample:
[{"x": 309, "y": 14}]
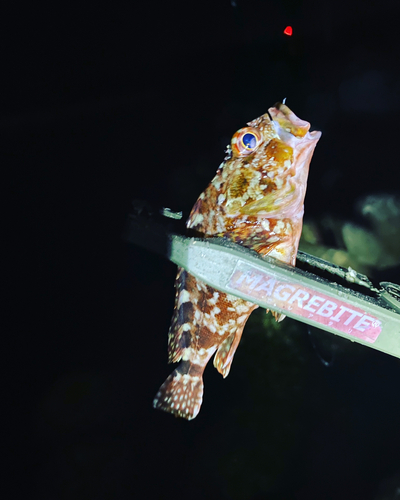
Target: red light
[{"x": 288, "y": 31}]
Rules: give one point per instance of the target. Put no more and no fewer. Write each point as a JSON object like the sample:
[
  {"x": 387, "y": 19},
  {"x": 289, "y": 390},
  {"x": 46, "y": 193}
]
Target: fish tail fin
[{"x": 182, "y": 393}]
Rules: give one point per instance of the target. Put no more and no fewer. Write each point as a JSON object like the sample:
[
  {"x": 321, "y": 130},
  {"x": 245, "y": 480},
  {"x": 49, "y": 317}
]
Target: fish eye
[
  {"x": 245, "y": 141},
  {"x": 249, "y": 141}
]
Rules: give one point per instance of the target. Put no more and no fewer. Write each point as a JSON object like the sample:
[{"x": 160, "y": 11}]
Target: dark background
[{"x": 101, "y": 105}]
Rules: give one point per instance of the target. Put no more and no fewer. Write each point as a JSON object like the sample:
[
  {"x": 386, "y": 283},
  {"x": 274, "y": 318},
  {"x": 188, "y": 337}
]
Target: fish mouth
[{"x": 283, "y": 116}]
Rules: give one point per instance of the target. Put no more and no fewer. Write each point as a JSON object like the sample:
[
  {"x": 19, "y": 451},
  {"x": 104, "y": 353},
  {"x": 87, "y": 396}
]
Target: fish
[{"x": 256, "y": 199}]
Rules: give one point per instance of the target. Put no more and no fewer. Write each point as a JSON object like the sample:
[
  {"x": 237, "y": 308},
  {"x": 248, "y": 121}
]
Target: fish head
[{"x": 266, "y": 174}]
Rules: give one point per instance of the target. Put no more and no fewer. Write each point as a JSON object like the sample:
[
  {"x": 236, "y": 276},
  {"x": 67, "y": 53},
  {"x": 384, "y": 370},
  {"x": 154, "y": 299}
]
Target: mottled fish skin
[{"x": 255, "y": 199}]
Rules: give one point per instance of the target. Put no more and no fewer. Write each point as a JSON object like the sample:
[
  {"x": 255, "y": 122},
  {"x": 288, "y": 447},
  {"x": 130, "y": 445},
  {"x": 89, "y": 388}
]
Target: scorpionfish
[{"x": 255, "y": 199}]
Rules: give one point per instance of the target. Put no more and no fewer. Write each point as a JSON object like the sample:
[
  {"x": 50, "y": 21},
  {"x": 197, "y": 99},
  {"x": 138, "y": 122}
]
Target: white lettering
[
  {"x": 314, "y": 301},
  {"x": 327, "y": 309},
  {"x": 251, "y": 280},
  {"x": 282, "y": 295},
  {"x": 267, "y": 286},
  {"x": 339, "y": 314},
  {"x": 343, "y": 309},
  {"x": 300, "y": 296},
  {"x": 352, "y": 316},
  {"x": 363, "y": 323}
]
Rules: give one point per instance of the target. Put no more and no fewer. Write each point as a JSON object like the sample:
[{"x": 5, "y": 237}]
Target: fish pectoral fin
[
  {"x": 278, "y": 316},
  {"x": 264, "y": 247},
  {"x": 224, "y": 355},
  {"x": 273, "y": 203}
]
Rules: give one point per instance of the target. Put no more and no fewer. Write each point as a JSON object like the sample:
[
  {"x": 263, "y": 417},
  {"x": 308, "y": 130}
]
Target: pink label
[{"x": 303, "y": 301}]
